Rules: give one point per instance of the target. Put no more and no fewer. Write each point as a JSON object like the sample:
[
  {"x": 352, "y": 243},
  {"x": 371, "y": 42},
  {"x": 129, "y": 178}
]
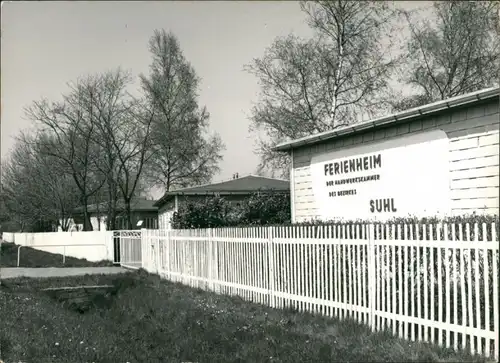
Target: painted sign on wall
[{"x": 376, "y": 181}]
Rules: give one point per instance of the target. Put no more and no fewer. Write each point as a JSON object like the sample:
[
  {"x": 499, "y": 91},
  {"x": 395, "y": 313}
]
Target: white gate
[{"x": 127, "y": 248}]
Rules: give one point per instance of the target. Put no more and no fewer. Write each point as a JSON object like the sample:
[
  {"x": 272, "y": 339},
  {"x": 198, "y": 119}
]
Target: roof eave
[
  {"x": 162, "y": 200},
  {"x": 385, "y": 120},
  {"x": 117, "y": 211},
  {"x": 159, "y": 203},
  {"x": 239, "y": 192}
]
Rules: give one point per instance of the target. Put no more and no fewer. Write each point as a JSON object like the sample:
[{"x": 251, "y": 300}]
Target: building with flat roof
[{"x": 437, "y": 159}]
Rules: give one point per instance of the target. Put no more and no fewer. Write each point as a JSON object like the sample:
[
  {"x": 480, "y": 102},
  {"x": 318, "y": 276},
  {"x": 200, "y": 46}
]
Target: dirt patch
[{"x": 82, "y": 299}]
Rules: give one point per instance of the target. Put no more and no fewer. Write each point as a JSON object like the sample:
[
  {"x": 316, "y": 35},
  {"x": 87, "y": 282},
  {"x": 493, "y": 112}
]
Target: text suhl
[
  {"x": 353, "y": 165},
  {"x": 383, "y": 205}
]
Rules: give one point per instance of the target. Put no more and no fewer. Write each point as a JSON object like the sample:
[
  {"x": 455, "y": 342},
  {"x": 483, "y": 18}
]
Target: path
[{"x": 13, "y": 272}]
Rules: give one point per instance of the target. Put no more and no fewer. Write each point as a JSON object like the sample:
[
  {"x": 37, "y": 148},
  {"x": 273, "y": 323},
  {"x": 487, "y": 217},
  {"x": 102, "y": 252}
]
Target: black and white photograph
[{"x": 249, "y": 181}]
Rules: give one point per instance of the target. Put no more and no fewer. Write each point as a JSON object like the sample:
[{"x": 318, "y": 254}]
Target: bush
[
  {"x": 261, "y": 208},
  {"x": 213, "y": 212},
  {"x": 266, "y": 209}
]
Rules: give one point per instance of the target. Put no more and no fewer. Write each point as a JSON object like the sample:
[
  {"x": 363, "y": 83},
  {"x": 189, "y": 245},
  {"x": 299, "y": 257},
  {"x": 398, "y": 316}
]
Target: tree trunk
[
  {"x": 22, "y": 224},
  {"x": 111, "y": 215},
  {"x": 64, "y": 225},
  {"x": 97, "y": 201},
  {"x": 128, "y": 214},
  {"x": 87, "y": 224},
  {"x": 63, "y": 220},
  {"x": 112, "y": 212}
]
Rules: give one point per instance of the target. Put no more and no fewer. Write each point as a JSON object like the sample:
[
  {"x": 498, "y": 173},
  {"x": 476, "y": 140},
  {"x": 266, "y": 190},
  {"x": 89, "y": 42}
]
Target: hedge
[{"x": 261, "y": 208}]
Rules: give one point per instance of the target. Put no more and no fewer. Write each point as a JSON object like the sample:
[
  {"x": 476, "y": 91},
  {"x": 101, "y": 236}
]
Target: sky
[{"x": 46, "y": 44}]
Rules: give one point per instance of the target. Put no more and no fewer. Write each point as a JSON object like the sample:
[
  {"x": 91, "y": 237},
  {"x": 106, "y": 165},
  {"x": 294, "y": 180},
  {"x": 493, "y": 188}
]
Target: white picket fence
[{"x": 436, "y": 283}]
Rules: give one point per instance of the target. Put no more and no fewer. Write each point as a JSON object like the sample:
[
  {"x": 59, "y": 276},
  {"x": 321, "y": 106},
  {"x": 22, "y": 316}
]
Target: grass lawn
[
  {"x": 145, "y": 319},
  {"x": 35, "y": 258}
]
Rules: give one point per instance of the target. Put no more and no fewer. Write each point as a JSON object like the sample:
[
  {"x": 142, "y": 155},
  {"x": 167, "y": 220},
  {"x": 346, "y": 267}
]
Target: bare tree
[
  {"x": 457, "y": 53},
  {"x": 113, "y": 133},
  {"x": 102, "y": 134},
  {"x": 38, "y": 187},
  {"x": 135, "y": 154},
  {"x": 184, "y": 153},
  {"x": 123, "y": 136},
  {"x": 329, "y": 81},
  {"x": 72, "y": 136}
]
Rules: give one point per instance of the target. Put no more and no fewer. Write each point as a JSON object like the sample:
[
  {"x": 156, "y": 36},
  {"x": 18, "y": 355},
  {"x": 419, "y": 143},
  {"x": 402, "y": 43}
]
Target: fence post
[
  {"x": 144, "y": 251},
  {"x": 168, "y": 266},
  {"x": 270, "y": 259},
  {"x": 215, "y": 244},
  {"x": 210, "y": 284},
  {"x": 157, "y": 247},
  {"x": 371, "y": 275}
]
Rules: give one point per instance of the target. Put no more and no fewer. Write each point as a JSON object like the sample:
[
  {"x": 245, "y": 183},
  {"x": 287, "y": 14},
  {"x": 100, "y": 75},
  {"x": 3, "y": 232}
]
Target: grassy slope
[
  {"x": 153, "y": 320},
  {"x": 35, "y": 258}
]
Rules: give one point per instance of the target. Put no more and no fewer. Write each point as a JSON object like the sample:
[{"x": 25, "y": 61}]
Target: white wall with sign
[{"x": 380, "y": 180}]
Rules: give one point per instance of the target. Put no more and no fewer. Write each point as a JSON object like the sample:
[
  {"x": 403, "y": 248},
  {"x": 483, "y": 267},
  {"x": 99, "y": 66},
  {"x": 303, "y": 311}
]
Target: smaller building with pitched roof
[
  {"x": 142, "y": 210},
  {"x": 234, "y": 190}
]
